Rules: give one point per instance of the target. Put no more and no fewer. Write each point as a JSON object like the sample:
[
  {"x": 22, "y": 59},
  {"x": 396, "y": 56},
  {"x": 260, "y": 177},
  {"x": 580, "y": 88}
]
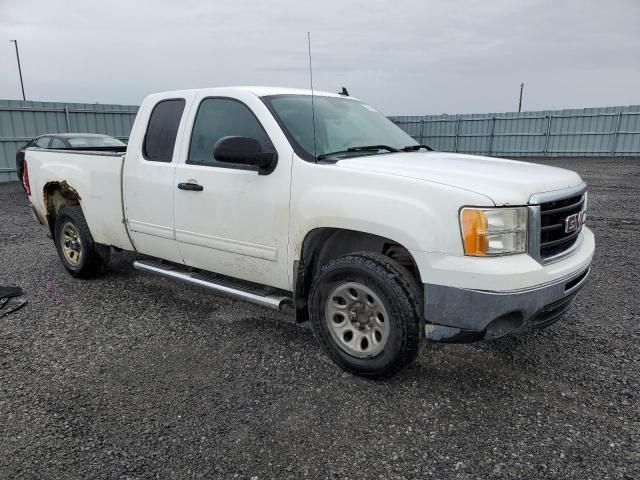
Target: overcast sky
[{"x": 405, "y": 56}]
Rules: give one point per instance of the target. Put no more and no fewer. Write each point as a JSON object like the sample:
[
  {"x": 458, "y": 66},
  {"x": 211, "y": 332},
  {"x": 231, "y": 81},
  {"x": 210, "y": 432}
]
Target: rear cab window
[{"x": 162, "y": 129}]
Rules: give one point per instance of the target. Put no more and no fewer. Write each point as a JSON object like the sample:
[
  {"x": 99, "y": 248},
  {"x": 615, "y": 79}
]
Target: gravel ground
[{"x": 134, "y": 376}]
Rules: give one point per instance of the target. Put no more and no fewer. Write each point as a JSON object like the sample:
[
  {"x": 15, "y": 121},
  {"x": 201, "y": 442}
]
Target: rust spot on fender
[
  {"x": 64, "y": 188},
  {"x": 57, "y": 194}
]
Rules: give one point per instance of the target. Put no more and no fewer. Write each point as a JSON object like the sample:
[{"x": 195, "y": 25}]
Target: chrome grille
[{"x": 554, "y": 238}]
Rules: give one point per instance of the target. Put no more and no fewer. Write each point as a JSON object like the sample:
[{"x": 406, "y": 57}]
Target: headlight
[{"x": 494, "y": 231}]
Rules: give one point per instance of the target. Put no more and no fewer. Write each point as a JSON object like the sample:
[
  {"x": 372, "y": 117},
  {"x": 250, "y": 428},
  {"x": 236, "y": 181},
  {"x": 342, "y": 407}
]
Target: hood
[{"x": 506, "y": 182}]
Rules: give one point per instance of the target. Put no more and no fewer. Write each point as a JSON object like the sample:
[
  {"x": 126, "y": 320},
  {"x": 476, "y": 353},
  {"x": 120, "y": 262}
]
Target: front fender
[{"x": 417, "y": 214}]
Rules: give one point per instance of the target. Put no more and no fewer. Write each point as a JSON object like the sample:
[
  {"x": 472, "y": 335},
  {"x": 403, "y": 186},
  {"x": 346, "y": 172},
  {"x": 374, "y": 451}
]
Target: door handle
[{"x": 194, "y": 187}]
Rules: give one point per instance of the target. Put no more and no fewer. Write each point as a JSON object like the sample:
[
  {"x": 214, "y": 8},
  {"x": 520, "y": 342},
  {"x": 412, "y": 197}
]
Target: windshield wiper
[
  {"x": 415, "y": 148},
  {"x": 364, "y": 148}
]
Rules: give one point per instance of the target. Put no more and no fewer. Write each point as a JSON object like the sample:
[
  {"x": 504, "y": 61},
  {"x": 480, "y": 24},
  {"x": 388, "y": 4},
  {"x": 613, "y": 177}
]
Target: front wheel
[{"x": 365, "y": 312}]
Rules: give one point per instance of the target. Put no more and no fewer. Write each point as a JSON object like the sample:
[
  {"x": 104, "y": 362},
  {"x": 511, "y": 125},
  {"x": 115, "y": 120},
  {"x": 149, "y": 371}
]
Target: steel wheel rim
[
  {"x": 71, "y": 244},
  {"x": 357, "y": 320}
]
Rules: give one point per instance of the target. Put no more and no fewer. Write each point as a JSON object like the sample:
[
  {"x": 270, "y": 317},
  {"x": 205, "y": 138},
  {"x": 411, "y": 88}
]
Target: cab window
[
  {"x": 162, "y": 130},
  {"x": 222, "y": 117}
]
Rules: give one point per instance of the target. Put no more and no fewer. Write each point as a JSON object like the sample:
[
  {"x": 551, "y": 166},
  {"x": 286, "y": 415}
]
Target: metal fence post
[
  {"x": 66, "y": 114},
  {"x": 614, "y": 143},
  {"x": 421, "y": 142},
  {"x": 546, "y": 141},
  {"x": 493, "y": 129},
  {"x": 455, "y": 140}
]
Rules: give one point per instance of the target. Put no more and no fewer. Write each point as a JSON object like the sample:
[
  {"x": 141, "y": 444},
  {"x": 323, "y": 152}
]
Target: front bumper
[{"x": 458, "y": 315}]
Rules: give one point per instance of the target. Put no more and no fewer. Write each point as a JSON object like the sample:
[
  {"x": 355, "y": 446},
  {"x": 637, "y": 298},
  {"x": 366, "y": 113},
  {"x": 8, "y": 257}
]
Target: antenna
[{"x": 313, "y": 109}]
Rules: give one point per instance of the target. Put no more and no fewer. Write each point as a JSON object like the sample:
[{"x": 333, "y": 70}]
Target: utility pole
[
  {"x": 520, "y": 102},
  {"x": 19, "y": 68}
]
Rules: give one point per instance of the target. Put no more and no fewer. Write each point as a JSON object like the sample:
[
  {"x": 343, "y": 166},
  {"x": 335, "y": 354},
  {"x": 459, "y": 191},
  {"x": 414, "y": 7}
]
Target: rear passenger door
[{"x": 148, "y": 178}]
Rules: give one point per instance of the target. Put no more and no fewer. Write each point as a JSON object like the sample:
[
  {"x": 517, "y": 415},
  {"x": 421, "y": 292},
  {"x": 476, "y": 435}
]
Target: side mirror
[{"x": 244, "y": 151}]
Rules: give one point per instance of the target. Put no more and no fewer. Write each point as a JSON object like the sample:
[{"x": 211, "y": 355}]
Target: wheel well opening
[
  {"x": 57, "y": 195},
  {"x": 324, "y": 244}
]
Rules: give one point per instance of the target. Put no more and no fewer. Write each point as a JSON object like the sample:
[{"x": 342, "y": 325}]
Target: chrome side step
[{"x": 265, "y": 296}]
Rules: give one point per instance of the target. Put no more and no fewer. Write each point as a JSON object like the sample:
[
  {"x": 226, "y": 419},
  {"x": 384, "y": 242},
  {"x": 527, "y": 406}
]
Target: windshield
[
  {"x": 94, "y": 142},
  {"x": 340, "y": 124}
]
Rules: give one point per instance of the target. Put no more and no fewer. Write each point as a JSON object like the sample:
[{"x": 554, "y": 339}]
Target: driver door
[{"x": 228, "y": 218}]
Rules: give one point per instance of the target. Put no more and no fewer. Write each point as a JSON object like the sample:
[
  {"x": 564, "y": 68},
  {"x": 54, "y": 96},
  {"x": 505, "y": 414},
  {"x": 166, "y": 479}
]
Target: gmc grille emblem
[{"x": 573, "y": 222}]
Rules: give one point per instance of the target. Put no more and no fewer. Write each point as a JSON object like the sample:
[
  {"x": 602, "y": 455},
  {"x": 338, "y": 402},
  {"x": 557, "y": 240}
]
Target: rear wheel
[
  {"x": 366, "y": 314},
  {"x": 80, "y": 255}
]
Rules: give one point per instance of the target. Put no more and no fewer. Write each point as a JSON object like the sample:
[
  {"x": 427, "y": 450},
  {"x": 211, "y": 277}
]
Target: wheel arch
[
  {"x": 55, "y": 196},
  {"x": 323, "y": 244}
]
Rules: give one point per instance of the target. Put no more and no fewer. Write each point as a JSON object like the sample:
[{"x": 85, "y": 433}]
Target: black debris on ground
[
  {"x": 11, "y": 299},
  {"x": 134, "y": 376}
]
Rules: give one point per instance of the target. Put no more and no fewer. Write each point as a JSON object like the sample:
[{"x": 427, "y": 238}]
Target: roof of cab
[
  {"x": 257, "y": 91},
  {"x": 266, "y": 91}
]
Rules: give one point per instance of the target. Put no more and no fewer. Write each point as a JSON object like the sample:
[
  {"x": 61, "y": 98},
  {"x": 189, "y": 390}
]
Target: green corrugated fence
[
  {"x": 21, "y": 121},
  {"x": 607, "y": 131}
]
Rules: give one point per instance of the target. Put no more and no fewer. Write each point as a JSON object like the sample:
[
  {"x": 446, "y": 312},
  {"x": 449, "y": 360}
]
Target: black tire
[
  {"x": 397, "y": 291},
  {"x": 93, "y": 258}
]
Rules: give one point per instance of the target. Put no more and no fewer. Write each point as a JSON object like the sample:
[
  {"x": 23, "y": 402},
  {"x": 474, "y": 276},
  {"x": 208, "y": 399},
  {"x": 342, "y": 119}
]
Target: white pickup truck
[{"x": 278, "y": 196}]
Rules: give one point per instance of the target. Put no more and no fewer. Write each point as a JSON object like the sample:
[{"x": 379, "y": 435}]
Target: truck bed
[{"x": 97, "y": 179}]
